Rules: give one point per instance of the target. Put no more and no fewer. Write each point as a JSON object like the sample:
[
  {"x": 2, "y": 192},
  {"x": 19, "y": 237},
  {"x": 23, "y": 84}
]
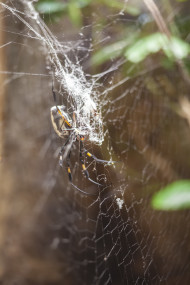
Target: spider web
[{"x": 51, "y": 233}]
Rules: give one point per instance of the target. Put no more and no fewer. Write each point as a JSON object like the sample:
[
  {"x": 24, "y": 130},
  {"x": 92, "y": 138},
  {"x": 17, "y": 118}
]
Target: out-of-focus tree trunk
[
  {"x": 2, "y": 63},
  {"x": 2, "y": 102}
]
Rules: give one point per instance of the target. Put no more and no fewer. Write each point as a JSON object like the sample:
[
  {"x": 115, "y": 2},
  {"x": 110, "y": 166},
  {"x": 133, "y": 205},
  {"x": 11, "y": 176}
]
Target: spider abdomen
[{"x": 60, "y": 121}]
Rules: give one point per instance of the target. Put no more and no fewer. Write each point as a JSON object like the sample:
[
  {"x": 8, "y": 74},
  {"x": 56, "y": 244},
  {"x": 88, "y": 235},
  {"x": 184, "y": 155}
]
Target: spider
[{"x": 67, "y": 129}]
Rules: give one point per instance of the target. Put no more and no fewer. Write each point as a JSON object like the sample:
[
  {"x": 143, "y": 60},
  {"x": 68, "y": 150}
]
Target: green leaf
[
  {"x": 75, "y": 13},
  {"x": 175, "y": 196},
  {"x": 50, "y": 7},
  {"x": 132, "y": 10},
  {"x": 173, "y": 47},
  {"x": 56, "y": 9},
  {"x": 113, "y": 50},
  {"x": 179, "y": 48},
  {"x": 109, "y": 52},
  {"x": 83, "y": 3}
]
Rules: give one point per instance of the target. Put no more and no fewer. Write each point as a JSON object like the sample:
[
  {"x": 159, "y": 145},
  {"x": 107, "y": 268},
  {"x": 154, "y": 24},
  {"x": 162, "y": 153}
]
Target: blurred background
[{"x": 135, "y": 55}]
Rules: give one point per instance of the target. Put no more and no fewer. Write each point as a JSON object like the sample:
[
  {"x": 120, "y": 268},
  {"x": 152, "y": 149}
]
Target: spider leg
[
  {"x": 84, "y": 167},
  {"x": 97, "y": 159},
  {"x": 83, "y": 192},
  {"x": 62, "y": 150},
  {"x": 70, "y": 177},
  {"x": 69, "y": 167}
]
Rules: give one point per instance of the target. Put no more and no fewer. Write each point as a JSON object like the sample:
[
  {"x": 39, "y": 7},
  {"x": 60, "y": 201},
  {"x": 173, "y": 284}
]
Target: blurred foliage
[
  {"x": 55, "y": 9},
  {"x": 174, "y": 48},
  {"x": 133, "y": 43},
  {"x": 175, "y": 196}
]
